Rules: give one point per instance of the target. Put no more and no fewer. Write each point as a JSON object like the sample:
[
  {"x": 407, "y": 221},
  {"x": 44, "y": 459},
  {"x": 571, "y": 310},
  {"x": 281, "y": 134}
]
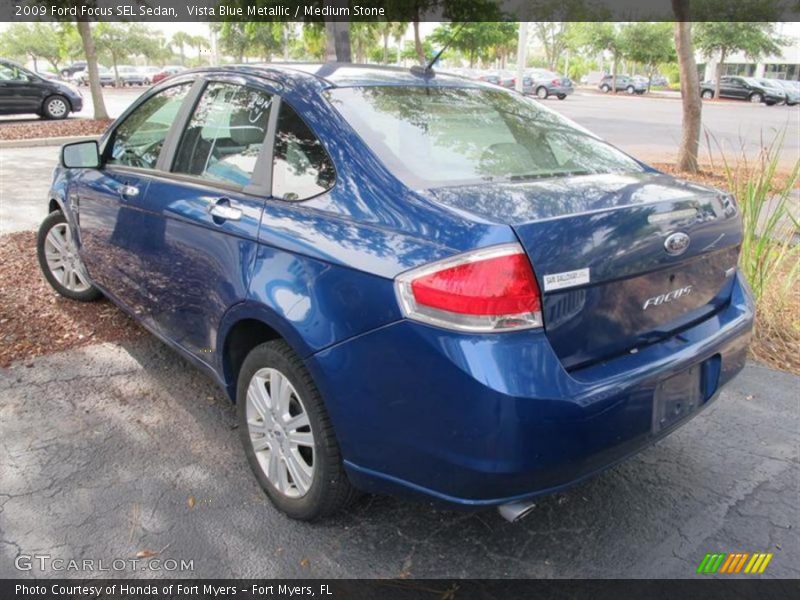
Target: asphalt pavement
[{"x": 113, "y": 450}]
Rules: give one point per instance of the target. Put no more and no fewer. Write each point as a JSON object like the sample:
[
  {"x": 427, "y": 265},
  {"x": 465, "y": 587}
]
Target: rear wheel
[
  {"x": 287, "y": 435},
  {"x": 630, "y": 89},
  {"x": 707, "y": 94},
  {"x": 55, "y": 107},
  {"x": 542, "y": 93},
  {"x": 756, "y": 98},
  {"x": 59, "y": 260},
  {"x": 561, "y": 96}
]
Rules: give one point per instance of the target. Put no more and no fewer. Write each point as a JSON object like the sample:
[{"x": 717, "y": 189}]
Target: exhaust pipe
[{"x": 515, "y": 511}]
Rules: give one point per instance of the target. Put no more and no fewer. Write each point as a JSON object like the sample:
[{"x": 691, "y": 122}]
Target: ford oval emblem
[{"x": 676, "y": 243}]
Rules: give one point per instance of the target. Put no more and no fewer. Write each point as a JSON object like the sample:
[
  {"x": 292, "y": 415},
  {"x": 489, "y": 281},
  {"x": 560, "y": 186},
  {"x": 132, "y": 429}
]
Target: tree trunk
[
  {"x": 614, "y": 73},
  {"x": 418, "y": 43},
  {"x": 718, "y": 78},
  {"x": 385, "y": 48},
  {"x": 90, "y": 52},
  {"x": 690, "y": 95},
  {"x": 330, "y": 41}
]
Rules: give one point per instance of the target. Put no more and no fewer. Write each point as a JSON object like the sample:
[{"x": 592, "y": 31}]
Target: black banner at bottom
[{"x": 391, "y": 589}]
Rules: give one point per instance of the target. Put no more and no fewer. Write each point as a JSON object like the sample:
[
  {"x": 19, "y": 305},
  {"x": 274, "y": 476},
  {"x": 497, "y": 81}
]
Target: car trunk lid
[{"x": 607, "y": 252}]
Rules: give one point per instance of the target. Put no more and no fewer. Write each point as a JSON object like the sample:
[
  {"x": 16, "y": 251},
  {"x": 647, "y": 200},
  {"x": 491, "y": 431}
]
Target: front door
[
  {"x": 19, "y": 92},
  {"x": 116, "y": 235}
]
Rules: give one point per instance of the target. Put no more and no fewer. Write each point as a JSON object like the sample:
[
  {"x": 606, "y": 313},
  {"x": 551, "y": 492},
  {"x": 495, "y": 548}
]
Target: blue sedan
[{"x": 407, "y": 282}]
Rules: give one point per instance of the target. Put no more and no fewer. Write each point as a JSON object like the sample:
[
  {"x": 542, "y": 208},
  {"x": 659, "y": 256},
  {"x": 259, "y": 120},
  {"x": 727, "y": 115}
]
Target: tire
[
  {"x": 630, "y": 90},
  {"x": 707, "y": 94},
  {"x": 561, "y": 96},
  {"x": 756, "y": 98},
  {"x": 605, "y": 88},
  {"x": 542, "y": 93},
  {"x": 262, "y": 423},
  {"x": 55, "y": 107},
  {"x": 47, "y": 252}
]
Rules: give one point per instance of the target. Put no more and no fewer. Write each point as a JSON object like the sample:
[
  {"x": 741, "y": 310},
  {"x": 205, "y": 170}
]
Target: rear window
[{"x": 435, "y": 137}]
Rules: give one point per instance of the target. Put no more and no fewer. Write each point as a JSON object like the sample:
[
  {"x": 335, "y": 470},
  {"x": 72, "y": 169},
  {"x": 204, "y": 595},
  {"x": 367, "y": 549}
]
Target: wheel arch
[{"x": 244, "y": 327}]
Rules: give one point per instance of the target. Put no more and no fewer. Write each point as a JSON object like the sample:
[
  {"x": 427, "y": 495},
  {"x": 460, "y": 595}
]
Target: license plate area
[{"x": 676, "y": 398}]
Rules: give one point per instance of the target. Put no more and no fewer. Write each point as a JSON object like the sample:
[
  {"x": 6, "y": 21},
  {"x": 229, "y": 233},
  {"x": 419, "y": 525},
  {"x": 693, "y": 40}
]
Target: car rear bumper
[
  {"x": 483, "y": 420},
  {"x": 77, "y": 103}
]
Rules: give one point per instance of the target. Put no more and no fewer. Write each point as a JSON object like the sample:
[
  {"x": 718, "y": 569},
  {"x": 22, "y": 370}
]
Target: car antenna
[{"x": 428, "y": 70}]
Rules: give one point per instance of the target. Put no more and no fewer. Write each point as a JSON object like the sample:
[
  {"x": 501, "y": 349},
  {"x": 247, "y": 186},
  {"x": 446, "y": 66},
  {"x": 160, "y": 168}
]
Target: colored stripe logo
[{"x": 733, "y": 563}]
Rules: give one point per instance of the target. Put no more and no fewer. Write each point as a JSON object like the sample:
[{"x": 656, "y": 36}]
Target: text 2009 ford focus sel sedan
[{"x": 408, "y": 283}]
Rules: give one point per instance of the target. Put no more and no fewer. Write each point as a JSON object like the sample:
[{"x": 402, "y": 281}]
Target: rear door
[{"x": 207, "y": 203}]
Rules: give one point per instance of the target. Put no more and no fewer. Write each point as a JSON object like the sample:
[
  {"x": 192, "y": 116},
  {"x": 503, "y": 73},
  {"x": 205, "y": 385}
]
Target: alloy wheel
[
  {"x": 57, "y": 107},
  {"x": 280, "y": 431},
  {"x": 63, "y": 261}
]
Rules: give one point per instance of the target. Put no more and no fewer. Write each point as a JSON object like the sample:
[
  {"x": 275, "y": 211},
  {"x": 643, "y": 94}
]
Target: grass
[{"x": 770, "y": 253}]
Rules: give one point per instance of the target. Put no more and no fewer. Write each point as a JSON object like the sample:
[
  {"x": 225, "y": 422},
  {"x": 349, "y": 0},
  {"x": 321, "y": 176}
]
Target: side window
[
  {"x": 225, "y": 134},
  {"x": 301, "y": 168},
  {"x": 138, "y": 140}
]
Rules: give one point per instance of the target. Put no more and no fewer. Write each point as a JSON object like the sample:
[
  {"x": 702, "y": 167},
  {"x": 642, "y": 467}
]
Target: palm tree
[
  {"x": 391, "y": 29},
  {"x": 199, "y": 43},
  {"x": 181, "y": 39}
]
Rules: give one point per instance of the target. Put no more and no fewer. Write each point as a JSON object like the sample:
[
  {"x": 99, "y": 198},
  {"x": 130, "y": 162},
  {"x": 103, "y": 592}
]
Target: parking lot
[{"x": 117, "y": 449}]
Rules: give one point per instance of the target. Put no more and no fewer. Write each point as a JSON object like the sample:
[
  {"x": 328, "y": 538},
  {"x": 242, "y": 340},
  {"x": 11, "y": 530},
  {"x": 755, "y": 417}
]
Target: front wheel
[
  {"x": 561, "y": 96},
  {"x": 756, "y": 98},
  {"x": 630, "y": 89},
  {"x": 287, "y": 435},
  {"x": 605, "y": 89},
  {"x": 55, "y": 107},
  {"x": 542, "y": 93},
  {"x": 59, "y": 260},
  {"x": 707, "y": 94}
]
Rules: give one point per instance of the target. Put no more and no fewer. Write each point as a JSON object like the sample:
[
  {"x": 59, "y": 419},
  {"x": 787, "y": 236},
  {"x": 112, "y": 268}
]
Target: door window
[
  {"x": 301, "y": 168},
  {"x": 9, "y": 73},
  {"x": 138, "y": 140},
  {"x": 225, "y": 134}
]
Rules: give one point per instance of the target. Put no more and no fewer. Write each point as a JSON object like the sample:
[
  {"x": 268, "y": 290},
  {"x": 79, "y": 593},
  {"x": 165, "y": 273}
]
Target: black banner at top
[{"x": 400, "y": 10}]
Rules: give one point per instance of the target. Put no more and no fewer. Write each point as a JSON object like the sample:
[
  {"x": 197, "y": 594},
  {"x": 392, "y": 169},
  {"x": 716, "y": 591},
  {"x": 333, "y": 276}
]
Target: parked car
[
  {"x": 70, "y": 70},
  {"x": 659, "y": 81},
  {"x": 625, "y": 84},
  {"x": 23, "y": 91},
  {"x": 791, "y": 89},
  {"x": 543, "y": 83},
  {"x": 148, "y": 73},
  {"x": 501, "y": 78},
  {"x": 408, "y": 284},
  {"x": 743, "y": 88},
  {"x": 775, "y": 86},
  {"x": 167, "y": 71},
  {"x": 105, "y": 74},
  {"x": 129, "y": 75}
]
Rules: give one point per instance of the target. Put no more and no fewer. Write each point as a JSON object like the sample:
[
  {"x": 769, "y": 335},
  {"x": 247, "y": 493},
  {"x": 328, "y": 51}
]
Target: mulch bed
[
  {"x": 34, "y": 320},
  {"x": 15, "y": 130}
]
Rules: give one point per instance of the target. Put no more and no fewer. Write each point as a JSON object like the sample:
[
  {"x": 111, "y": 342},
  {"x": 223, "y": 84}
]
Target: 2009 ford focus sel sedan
[{"x": 407, "y": 282}]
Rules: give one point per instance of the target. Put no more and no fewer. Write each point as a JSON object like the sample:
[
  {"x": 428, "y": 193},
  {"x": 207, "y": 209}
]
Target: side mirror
[{"x": 80, "y": 155}]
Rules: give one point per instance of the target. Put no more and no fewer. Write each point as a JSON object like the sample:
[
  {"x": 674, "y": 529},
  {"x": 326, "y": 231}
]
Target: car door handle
[
  {"x": 223, "y": 210},
  {"x": 127, "y": 192}
]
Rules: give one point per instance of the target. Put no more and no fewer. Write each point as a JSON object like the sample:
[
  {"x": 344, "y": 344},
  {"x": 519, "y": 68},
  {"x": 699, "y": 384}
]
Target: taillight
[
  {"x": 556, "y": 82},
  {"x": 488, "y": 290}
]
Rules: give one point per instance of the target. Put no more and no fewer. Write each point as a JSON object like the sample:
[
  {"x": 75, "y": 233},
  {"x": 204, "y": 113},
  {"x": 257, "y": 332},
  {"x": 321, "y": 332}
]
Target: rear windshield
[{"x": 434, "y": 137}]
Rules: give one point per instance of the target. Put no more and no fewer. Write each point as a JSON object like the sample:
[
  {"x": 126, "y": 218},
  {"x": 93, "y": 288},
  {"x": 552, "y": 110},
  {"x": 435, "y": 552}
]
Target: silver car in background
[{"x": 543, "y": 84}]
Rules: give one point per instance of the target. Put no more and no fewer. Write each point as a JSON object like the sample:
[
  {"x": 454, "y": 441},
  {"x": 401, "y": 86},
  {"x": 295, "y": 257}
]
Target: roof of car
[{"x": 347, "y": 75}]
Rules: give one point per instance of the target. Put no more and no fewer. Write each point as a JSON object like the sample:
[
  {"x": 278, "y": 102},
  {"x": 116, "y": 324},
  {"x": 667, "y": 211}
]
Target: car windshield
[{"x": 433, "y": 137}]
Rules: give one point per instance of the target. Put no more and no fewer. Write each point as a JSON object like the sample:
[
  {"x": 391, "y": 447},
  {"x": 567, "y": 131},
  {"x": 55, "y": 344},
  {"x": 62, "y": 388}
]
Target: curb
[{"x": 52, "y": 141}]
